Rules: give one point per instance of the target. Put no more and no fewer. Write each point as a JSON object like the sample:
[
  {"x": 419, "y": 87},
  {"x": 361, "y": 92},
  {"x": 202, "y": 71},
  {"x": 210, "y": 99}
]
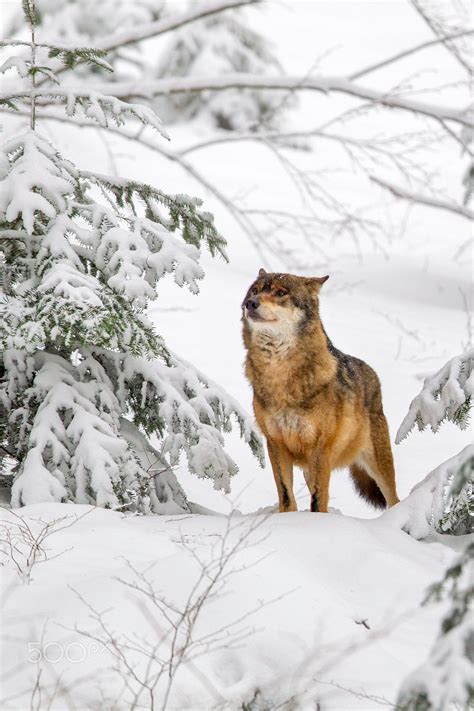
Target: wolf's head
[{"x": 282, "y": 304}]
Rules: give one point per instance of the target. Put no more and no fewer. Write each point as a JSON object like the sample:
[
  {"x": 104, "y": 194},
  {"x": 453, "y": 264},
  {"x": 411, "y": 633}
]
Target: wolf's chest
[{"x": 296, "y": 431}]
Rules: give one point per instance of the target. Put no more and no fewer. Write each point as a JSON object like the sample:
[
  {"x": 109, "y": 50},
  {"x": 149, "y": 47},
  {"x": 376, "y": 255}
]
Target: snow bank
[
  {"x": 314, "y": 607},
  {"x": 421, "y": 513}
]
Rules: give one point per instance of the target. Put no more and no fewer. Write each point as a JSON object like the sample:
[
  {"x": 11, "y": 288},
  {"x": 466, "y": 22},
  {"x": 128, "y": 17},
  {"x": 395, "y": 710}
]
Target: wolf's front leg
[
  {"x": 282, "y": 465},
  {"x": 317, "y": 475}
]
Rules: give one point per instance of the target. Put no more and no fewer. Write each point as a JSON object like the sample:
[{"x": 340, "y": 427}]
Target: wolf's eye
[
  {"x": 253, "y": 291},
  {"x": 281, "y": 292}
]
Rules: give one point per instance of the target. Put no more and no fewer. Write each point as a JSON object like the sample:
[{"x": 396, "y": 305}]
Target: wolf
[{"x": 318, "y": 408}]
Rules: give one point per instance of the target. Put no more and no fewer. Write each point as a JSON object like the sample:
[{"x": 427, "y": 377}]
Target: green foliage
[
  {"x": 468, "y": 182},
  {"x": 48, "y": 318},
  {"x": 459, "y": 516},
  {"x": 30, "y": 12},
  {"x": 432, "y": 687},
  {"x": 9, "y": 104},
  {"x": 183, "y": 213},
  {"x": 449, "y": 588},
  {"x": 83, "y": 373},
  {"x": 461, "y": 416},
  {"x": 418, "y": 702},
  {"x": 71, "y": 57}
]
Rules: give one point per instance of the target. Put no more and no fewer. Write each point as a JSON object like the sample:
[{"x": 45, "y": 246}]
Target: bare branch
[
  {"x": 406, "y": 53},
  {"x": 324, "y": 213},
  {"x": 437, "y": 28},
  {"x": 177, "y": 639},
  {"x": 325, "y": 84},
  {"x": 23, "y": 548},
  {"x": 160, "y": 27},
  {"x": 405, "y": 194}
]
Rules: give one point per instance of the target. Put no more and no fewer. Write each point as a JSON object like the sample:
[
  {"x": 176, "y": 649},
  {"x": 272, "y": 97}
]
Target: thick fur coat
[{"x": 318, "y": 408}]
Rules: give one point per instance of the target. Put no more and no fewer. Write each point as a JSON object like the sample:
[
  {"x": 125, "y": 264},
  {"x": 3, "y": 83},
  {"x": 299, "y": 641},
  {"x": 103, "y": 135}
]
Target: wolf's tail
[{"x": 367, "y": 487}]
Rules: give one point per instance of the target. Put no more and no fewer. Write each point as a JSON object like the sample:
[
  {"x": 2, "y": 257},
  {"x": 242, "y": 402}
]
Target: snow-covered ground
[
  {"x": 323, "y": 606},
  {"x": 309, "y": 607}
]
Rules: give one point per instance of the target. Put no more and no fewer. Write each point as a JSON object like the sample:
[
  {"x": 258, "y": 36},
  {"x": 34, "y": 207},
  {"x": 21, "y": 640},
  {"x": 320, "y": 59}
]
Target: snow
[
  {"x": 323, "y": 83},
  {"x": 397, "y": 302},
  {"x": 445, "y": 679},
  {"x": 300, "y": 617},
  {"x": 443, "y": 396},
  {"x": 35, "y": 168}
]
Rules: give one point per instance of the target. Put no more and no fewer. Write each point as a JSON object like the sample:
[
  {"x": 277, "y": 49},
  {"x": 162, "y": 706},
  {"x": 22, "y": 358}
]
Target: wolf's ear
[
  {"x": 321, "y": 280},
  {"x": 317, "y": 282},
  {"x": 261, "y": 272}
]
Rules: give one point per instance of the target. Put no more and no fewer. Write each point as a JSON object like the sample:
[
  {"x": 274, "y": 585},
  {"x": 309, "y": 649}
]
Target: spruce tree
[
  {"x": 85, "y": 380},
  {"x": 447, "y": 396},
  {"x": 445, "y": 679}
]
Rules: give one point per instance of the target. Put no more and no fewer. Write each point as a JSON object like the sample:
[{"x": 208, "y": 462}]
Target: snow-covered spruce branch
[
  {"x": 124, "y": 248},
  {"x": 77, "y": 275},
  {"x": 83, "y": 285},
  {"x": 101, "y": 107},
  {"x": 69, "y": 55},
  {"x": 446, "y": 395},
  {"x": 410, "y": 196},
  {"x": 257, "y": 238},
  {"x": 196, "y": 226},
  {"x": 325, "y": 84},
  {"x": 445, "y": 679},
  {"x": 80, "y": 448},
  {"x": 262, "y": 227},
  {"x": 185, "y": 407},
  {"x": 443, "y": 502}
]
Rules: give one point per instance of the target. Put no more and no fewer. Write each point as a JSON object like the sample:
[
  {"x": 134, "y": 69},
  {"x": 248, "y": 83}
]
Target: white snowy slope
[{"x": 312, "y": 606}]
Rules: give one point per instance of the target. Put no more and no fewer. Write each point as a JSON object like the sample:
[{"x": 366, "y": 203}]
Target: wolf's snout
[{"x": 252, "y": 304}]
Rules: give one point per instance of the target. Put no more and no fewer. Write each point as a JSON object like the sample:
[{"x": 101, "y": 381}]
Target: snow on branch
[
  {"x": 87, "y": 273},
  {"x": 407, "y": 52},
  {"x": 443, "y": 22},
  {"x": 109, "y": 40},
  {"x": 132, "y": 250},
  {"x": 325, "y": 84},
  {"x": 69, "y": 54},
  {"x": 446, "y": 395},
  {"x": 183, "y": 210},
  {"x": 79, "y": 356},
  {"x": 421, "y": 199},
  {"x": 442, "y": 502},
  {"x": 97, "y": 106},
  {"x": 166, "y": 24},
  {"x": 445, "y": 680},
  {"x": 186, "y": 408},
  {"x": 74, "y": 448}
]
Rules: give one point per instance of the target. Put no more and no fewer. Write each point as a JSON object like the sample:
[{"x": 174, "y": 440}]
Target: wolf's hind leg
[
  {"x": 282, "y": 465},
  {"x": 379, "y": 460}
]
